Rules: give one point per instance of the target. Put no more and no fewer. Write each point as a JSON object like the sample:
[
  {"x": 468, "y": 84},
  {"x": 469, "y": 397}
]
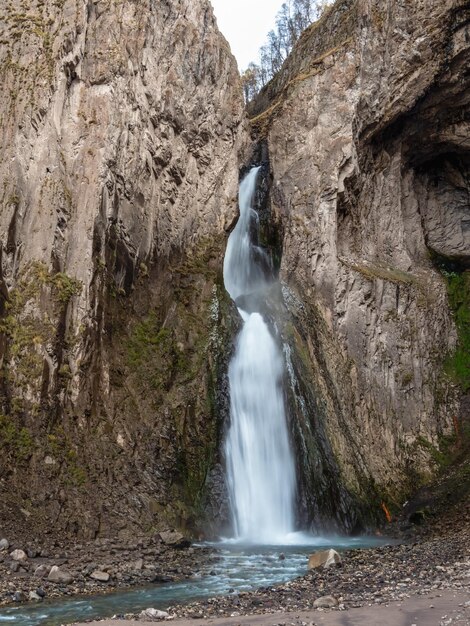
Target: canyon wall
[
  {"x": 120, "y": 124},
  {"x": 123, "y": 130},
  {"x": 367, "y": 131}
]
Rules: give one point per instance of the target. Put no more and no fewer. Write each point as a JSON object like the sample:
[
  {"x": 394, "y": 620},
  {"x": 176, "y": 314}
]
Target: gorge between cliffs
[{"x": 222, "y": 319}]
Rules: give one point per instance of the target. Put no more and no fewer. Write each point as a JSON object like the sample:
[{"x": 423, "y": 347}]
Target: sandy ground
[{"x": 446, "y": 608}]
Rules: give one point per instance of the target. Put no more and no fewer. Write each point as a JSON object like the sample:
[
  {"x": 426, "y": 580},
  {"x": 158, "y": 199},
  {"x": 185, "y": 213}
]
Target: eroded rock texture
[
  {"x": 368, "y": 134},
  {"x": 119, "y": 124}
]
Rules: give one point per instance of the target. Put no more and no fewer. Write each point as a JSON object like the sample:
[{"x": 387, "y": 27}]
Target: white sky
[{"x": 245, "y": 24}]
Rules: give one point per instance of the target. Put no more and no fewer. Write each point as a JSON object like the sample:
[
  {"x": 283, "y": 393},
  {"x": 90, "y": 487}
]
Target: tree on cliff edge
[{"x": 292, "y": 19}]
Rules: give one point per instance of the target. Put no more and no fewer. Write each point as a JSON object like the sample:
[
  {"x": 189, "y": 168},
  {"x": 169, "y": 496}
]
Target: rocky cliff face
[
  {"x": 120, "y": 130},
  {"x": 368, "y": 137},
  {"x": 122, "y": 127}
]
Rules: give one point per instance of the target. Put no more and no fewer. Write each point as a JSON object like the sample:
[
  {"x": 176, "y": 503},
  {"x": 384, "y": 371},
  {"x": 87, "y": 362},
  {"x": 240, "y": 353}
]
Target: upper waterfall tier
[{"x": 243, "y": 272}]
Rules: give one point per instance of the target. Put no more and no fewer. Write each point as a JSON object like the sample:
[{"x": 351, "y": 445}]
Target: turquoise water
[{"x": 241, "y": 568}]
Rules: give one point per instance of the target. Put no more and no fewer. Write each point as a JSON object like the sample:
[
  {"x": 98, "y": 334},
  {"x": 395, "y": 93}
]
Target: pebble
[
  {"x": 42, "y": 571},
  {"x": 19, "y": 596}
]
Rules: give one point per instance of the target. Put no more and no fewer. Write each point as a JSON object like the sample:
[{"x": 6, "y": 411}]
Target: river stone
[
  {"x": 34, "y": 596},
  {"x": 19, "y": 596},
  {"x": 19, "y": 555},
  {"x": 324, "y": 558},
  {"x": 138, "y": 565},
  {"x": 14, "y": 567},
  {"x": 4, "y": 544},
  {"x": 325, "y": 602},
  {"x": 42, "y": 571},
  {"x": 174, "y": 538},
  {"x": 58, "y": 575},
  {"x": 32, "y": 553},
  {"x": 101, "y": 577},
  {"x": 153, "y": 614}
]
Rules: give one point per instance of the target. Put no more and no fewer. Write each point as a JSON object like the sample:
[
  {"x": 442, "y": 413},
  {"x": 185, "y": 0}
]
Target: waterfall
[{"x": 260, "y": 467}]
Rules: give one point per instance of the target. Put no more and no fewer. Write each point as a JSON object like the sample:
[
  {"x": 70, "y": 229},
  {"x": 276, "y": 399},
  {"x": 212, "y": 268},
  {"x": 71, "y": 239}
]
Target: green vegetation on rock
[
  {"x": 15, "y": 441},
  {"x": 146, "y": 336},
  {"x": 30, "y": 322},
  {"x": 59, "y": 446},
  {"x": 457, "y": 365},
  {"x": 443, "y": 454}
]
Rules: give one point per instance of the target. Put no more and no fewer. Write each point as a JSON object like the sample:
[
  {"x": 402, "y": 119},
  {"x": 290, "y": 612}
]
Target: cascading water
[{"x": 260, "y": 467}]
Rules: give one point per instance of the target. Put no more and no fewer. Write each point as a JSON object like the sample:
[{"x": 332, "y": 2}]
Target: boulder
[
  {"x": 58, "y": 575},
  {"x": 325, "y": 602},
  {"x": 4, "y": 544},
  {"x": 101, "y": 577},
  {"x": 174, "y": 539},
  {"x": 138, "y": 565},
  {"x": 19, "y": 555},
  {"x": 153, "y": 614},
  {"x": 14, "y": 567},
  {"x": 325, "y": 558},
  {"x": 42, "y": 571}
]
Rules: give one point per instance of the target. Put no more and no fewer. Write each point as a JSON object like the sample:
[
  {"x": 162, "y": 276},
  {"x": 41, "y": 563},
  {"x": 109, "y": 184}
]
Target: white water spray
[{"x": 260, "y": 467}]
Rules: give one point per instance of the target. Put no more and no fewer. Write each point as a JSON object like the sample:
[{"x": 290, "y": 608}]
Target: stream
[{"x": 241, "y": 568}]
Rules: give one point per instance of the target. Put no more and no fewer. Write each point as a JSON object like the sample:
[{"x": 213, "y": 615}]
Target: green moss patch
[{"x": 457, "y": 365}]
